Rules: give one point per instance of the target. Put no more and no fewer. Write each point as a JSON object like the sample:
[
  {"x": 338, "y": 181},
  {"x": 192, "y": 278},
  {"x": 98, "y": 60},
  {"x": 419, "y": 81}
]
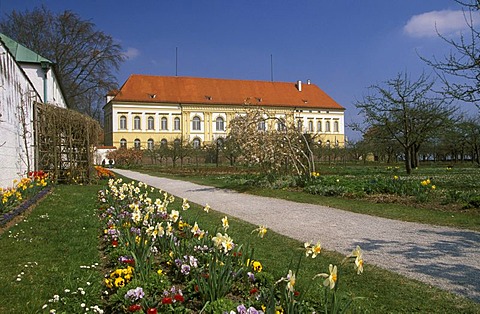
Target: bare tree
[
  {"x": 460, "y": 69},
  {"x": 404, "y": 111},
  {"x": 85, "y": 58}
]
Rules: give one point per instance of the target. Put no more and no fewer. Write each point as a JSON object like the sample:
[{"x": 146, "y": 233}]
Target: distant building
[
  {"x": 25, "y": 78},
  {"x": 153, "y": 110}
]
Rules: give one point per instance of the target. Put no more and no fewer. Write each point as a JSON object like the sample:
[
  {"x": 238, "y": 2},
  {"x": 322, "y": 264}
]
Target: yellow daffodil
[
  {"x": 225, "y": 223},
  {"x": 185, "y": 204},
  {"x": 207, "y": 208},
  {"x": 262, "y": 230},
  {"x": 312, "y": 250},
  {"x": 291, "y": 281},
  {"x": 332, "y": 278},
  {"x": 174, "y": 215}
]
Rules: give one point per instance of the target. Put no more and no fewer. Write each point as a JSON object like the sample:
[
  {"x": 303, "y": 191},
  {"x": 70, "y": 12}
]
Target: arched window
[
  {"x": 220, "y": 124},
  {"x": 335, "y": 126},
  {"x": 196, "y": 143},
  {"x": 163, "y": 143},
  {"x": 164, "y": 123},
  {"x": 123, "y": 143},
  {"x": 136, "y": 143},
  {"x": 196, "y": 124},
  {"x": 136, "y": 123},
  {"x": 150, "y": 144},
  {"x": 300, "y": 125},
  {"x": 151, "y": 123},
  {"x": 327, "y": 126},
  {"x": 319, "y": 126},
  {"x": 310, "y": 126},
  {"x": 328, "y": 143},
  {"x": 176, "y": 124},
  {"x": 123, "y": 122},
  {"x": 177, "y": 142}
]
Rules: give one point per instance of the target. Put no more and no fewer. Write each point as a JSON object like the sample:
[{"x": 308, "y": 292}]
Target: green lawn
[
  {"x": 51, "y": 250},
  {"x": 450, "y": 181},
  {"x": 62, "y": 234}
]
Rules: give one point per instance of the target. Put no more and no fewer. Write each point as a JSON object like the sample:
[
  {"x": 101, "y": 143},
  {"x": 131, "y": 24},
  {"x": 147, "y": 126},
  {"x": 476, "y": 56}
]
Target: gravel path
[{"x": 444, "y": 257}]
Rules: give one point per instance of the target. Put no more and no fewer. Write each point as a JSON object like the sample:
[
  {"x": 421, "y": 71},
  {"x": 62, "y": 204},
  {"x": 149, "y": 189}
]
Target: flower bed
[
  {"x": 160, "y": 263},
  {"x": 22, "y": 195}
]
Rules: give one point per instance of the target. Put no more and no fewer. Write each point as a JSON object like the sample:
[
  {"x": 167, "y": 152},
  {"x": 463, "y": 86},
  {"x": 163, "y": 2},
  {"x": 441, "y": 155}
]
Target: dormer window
[
  {"x": 152, "y": 95},
  {"x": 208, "y": 97}
]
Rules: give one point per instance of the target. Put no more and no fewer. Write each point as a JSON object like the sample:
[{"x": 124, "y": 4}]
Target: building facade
[
  {"x": 25, "y": 78},
  {"x": 153, "y": 110}
]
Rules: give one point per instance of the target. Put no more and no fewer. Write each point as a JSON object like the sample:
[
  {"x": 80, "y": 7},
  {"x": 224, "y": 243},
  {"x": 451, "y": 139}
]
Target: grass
[
  {"x": 458, "y": 178},
  {"x": 382, "y": 291},
  {"x": 68, "y": 238},
  {"x": 49, "y": 247}
]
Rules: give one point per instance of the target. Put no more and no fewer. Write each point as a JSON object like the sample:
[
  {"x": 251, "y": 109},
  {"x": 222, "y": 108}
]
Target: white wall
[
  {"x": 36, "y": 75},
  {"x": 16, "y": 93}
]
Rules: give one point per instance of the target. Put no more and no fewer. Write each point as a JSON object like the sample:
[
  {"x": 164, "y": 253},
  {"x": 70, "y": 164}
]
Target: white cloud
[
  {"x": 445, "y": 22},
  {"x": 131, "y": 53}
]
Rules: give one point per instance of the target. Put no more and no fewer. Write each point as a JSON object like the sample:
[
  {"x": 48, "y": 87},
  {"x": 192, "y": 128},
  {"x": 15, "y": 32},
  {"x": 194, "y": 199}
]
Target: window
[
  {"x": 327, "y": 126},
  {"x": 300, "y": 125},
  {"x": 123, "y": 143},
  {"x": 136, "y": 143},
  {"x": 328, "y": 143},
  {"x": 335, "y": 126},
  {"x": 151, "y": 123},
  {"x": 150, "y": 144},
  {"x": 164, "y": 123},
  {"x": 196, "y": 143},
  {"x": 176, "y": 142},
  {"x": 281, "y": 125},
  {"x": 261, "y": 125},
  {"x": 163, "y": 143},
  {"x": 220, "y": 124},
  {"x": 319, "y": 126},
  {"x": 176, "y": 124},
  {"x": 123, "y": 122},
  {"x": 310, "y": 126},
  {"x": 196, "y": 124},
  {"x": 136, "y": 123}
]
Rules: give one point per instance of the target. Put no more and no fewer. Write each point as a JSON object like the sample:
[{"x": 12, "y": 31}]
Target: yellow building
[{"x": 153, "y": 110}]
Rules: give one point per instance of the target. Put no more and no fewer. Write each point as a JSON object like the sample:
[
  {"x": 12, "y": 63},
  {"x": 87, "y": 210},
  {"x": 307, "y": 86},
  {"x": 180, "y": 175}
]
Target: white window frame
[
  {"x": 123, "y": 122},
  {"x": 137, "y": 123},
  {"x": 196, "y": 123}
]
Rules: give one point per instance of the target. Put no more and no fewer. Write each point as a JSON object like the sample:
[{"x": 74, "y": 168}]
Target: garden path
[{"x": 440, "y": 256}]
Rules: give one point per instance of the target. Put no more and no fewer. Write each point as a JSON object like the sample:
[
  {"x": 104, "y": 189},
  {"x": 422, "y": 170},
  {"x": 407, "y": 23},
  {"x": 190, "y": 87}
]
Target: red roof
[{"x": 193, "y": 90}]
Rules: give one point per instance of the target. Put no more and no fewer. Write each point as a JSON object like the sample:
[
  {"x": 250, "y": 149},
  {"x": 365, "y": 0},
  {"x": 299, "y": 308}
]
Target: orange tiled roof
[{"x": 192, "y": 90}]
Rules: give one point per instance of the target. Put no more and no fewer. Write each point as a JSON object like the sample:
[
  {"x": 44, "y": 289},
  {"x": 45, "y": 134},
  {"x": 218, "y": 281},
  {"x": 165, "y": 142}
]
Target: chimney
[
  {"x": 309, "y": 82},
  {"x": 299, "y": 85}
]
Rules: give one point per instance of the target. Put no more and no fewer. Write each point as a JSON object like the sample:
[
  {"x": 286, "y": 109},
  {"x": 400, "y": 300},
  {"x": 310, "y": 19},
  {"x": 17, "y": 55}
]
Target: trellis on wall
[{"x": 64, "y": 141}]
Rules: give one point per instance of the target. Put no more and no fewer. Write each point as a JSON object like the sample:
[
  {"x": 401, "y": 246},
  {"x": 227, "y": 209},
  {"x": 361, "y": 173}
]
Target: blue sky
[{"x": 341, "y": 46}]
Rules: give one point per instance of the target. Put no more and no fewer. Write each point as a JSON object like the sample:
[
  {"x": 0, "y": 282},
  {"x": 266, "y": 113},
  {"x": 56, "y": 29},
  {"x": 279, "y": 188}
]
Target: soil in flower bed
[{"x": 22, "y": 210}]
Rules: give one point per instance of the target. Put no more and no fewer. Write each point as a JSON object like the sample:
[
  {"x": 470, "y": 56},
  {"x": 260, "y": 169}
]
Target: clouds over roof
[
  {"x": 445, "y": 22},
  {"x": 131, "y": 53}
]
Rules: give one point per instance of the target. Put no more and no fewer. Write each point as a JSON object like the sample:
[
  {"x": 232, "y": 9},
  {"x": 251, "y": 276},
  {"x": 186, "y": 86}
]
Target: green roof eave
[{"x": 22, "y": 53}]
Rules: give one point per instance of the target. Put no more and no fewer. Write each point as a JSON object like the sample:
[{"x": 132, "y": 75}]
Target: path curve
[{"x": 441, "y": 256}]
